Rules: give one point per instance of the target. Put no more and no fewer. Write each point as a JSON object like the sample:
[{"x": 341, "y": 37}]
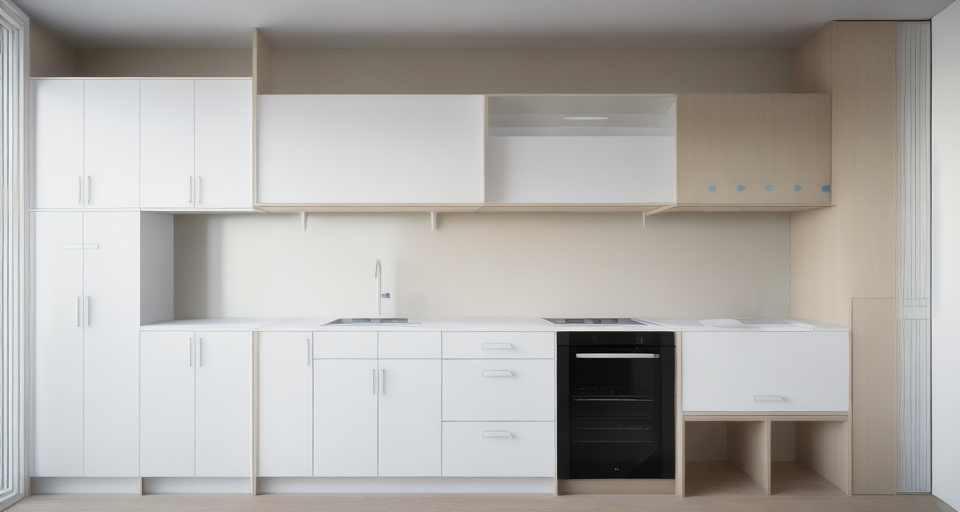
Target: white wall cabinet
[
  {"x": 353, "y": 150},
  {"x": 86, "y": 143},
  {"x": 766, "y": 371},
  {"x": 285, "y": 404},
  {"x": 86, "y": 321},
  {"x": 376, "y": 417},
  {"x": 196, "y": 144},
  {"x": 195, "y": 411}
]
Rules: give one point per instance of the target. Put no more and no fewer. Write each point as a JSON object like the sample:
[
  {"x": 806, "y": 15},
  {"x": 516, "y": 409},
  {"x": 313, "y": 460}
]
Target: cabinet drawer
[
  {"x": 493, "y": 449},
  {"x": 499, "y": 345},
  {"x": 409, "y": 345},
  {"x": 345, "y": 345},
  {"x": 499, "y": 390},
  {"x": 766, "y": 371}
]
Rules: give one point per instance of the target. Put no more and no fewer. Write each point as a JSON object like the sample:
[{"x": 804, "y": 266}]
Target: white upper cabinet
[
  {"x": 196, "y": 144},
  {"x": 86, "y": 138},
  {"x": 380, "y": 150},
  {"x": 557, "y": 152}
]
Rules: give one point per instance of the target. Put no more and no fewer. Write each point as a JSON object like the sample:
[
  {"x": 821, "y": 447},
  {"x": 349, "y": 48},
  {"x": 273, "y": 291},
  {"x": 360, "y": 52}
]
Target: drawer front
[
  {"x": 499, "y": 449},
  {"x": 499, "y": 390},
  {"x": 766, "y": 371},
  {"x": 345, "y": 345},
  {"x": 499, "y": 345},
  {"x": 409, "y": 345}
]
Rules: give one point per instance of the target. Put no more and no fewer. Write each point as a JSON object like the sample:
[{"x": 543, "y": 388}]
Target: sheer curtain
[{"x": 12, "y": 254}]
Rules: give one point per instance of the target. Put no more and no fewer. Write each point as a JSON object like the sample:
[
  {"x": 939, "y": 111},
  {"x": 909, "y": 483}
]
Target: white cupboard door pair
[
  {"x": 86, "y": 318},
  {"x": 376, "y": 418},
  {"x": 195, "y": 404},
  {"x": 86, "y": 143},
  {"x": 196, "y": 144},
  {"x": 285, "y": 404}
]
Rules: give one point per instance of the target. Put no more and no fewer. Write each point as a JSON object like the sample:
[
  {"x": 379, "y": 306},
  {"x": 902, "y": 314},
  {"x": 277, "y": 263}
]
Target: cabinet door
[
  {"x": 285, "y": 404},
  {"x": 409, "y": 417},
  {"x": 58, "y": 344},
  {"x": 111, "y": 318},
  {"x": 111, "y": 131},
  {"x": 499, "y": 390},
  {"x": 224, "y": 144},
  {"x": 223, "y": 403},
  {"x": 345, "y": 417},
  {"x": 370, "y": 149},
  {"x": 57, "y": 143},
  {"x": 167, "y": 404},
  {"x": 166, "y": 144}
]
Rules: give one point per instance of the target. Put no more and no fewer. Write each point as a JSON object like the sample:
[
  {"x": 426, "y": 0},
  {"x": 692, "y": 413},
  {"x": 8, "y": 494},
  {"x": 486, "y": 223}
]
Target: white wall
[
  {"x": 946, "y": 255},
  {"x": 484, "y": 264}
]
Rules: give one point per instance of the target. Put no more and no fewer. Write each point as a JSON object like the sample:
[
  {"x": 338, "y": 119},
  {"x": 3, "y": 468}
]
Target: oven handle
[{"x": 618, "y": 356}]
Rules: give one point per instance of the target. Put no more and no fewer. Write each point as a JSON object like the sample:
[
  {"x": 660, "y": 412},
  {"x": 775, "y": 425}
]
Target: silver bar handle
[
  {"x": 190, "y": 353},
  {"x": 198, "y": 196},
  {"x": 374, "y": 374},
  {"x": 80, "y": 190},
  {"x": 618, "y": 356},
  {"x": 190, "y": 197},
  {"x": 199, "y": 352},
  {"x": 309, "y": 352},
  {"x": 86, "y": 310},
  {"x": 76, "y": 314},
  {"x": 497, "y": 346},
  {"x": 382, "y": 382},
  {"x": 497, "y": 373},
  {"x": 497, "y": 434},
  {"x": 767, "y": 398},
  {"x": 88, "y": 190}
]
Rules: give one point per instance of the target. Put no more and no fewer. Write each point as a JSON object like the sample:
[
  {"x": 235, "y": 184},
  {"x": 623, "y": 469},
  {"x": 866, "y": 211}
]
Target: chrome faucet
[{"x": 378, "y": 275}]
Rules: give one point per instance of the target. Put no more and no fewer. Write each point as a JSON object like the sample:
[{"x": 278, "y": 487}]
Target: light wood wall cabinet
[
  {"x": 753, "y": 151},
  {"x": 576, "y": 153},
  {"x": 85, "y": 143},
  {"x": 86, "y": 322},
  {"x": 195, "y": 404},
  {"x": 196, "y": 144},
  {"x": 370, "y": 152}
]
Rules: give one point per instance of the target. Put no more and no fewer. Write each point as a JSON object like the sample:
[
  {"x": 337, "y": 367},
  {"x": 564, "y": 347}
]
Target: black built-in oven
[{"x": 615, "y": 405}]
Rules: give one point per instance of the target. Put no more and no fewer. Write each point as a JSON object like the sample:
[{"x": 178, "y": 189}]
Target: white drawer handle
[
  {"x": 497, "y": 434},
  {"x": 497, "y": 346},
  {"x": 767, "y": 398},
  {"x": 497, "y": 373}
]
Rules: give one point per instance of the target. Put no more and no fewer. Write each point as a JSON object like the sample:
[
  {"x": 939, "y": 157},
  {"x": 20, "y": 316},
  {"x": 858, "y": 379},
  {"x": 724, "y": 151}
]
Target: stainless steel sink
[{"x": 375, "y": 321}]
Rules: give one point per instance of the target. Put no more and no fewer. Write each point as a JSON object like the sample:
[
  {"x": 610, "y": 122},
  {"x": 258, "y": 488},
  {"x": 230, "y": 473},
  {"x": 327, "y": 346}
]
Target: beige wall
[
  {"x": 490, "y": 71},
  {"x": 484, "y": 264},
  {"x": 165, "y": 62},
  {"x": 49, "y": 56}
]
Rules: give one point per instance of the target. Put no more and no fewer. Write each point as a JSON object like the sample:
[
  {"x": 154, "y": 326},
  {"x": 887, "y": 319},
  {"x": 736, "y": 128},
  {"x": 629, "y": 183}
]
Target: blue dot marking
[
  {"x": 712, "y": 188},
  {"x": 768, "y": 188},
  {"x": 825, "y": 188},
  {"x": 741, "y": 188},
  {"x": 797, "y": 188}
]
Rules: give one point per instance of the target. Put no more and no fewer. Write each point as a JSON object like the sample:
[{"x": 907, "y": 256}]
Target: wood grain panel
[
  {"x": 824, "y": 447},
  {"x": 874, "y": 408},
  {"x": 817, "y": 286},
  {"x": 748, "y": 448},
  {"x": 811, "y": 63},
  {"x": 262, "y": 64}
]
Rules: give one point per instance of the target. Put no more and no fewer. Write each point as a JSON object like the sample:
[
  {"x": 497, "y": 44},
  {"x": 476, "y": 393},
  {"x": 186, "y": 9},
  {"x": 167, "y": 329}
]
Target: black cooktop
[{"x": 596, "y": 321}]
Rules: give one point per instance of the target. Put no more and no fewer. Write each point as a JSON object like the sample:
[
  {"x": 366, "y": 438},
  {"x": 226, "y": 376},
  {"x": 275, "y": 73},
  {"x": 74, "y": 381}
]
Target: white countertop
[{"x": 208, "y": 324}]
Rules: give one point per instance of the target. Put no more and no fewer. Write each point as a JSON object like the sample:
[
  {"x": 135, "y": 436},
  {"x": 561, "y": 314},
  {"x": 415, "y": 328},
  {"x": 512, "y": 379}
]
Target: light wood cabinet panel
[{"x": 753, "y": 149}]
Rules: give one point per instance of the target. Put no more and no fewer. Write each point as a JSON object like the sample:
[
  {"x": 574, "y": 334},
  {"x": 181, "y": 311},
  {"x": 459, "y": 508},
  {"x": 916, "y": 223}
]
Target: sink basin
[{"x": 374, "y": 321}]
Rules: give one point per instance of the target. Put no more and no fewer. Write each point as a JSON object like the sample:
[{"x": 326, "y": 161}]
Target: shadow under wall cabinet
[
  {"x": 368, "y": 152},
  {"x": 195, "y": 404},
  {"x": 196, "y": 144},
  {"x": 753, "y": 152},
  {"x": 747, "y": 381},
  {"x": 85, "y": 143},
  {"x": 580, "y": 153},
  {"x": 86, "y": 322}
]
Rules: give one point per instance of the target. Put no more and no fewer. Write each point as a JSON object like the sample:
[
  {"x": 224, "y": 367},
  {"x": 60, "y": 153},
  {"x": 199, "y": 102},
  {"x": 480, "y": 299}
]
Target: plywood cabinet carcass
[
  {"x": 753, "y": 150},
  {"x": 196, "y": 144},
  {"x": 195, "y": 407},
  {"x": 86, "y": 320},
  {"x": 356, "y": 151},
  {"x": 85, "y": 143}
]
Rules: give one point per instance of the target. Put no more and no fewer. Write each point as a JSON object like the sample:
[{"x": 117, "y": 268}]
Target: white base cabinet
[
  {"x": 195, "y": 415},
  {"x": 499, "y": 449},
  {"x": 285, "y": 405}
]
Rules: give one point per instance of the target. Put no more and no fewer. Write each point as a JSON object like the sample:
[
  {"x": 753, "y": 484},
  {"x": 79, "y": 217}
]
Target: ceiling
[{"x": 87, "y": 24}]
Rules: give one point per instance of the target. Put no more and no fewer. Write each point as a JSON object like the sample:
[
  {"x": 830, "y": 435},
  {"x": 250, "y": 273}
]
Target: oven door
[{"x": 611, "y": 412}]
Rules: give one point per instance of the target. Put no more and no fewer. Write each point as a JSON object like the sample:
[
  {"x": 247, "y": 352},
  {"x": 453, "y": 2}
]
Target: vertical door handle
[
  {"x": 88, "y": 190},
  {"x": 190, "y": 353},
  {"x": 382, "y": 386},
  {"x": 198, "y": 190},
  {"x": 190, "y": 197},
  {"x": 309, "y": 352},
  {"x": 76, "y": 314},
  {"x": 86, "y": 310},
  {"x": 80, "y": 189},
  {"x": 199, "y": 352},
  {"x": 374, "y": 380}
]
